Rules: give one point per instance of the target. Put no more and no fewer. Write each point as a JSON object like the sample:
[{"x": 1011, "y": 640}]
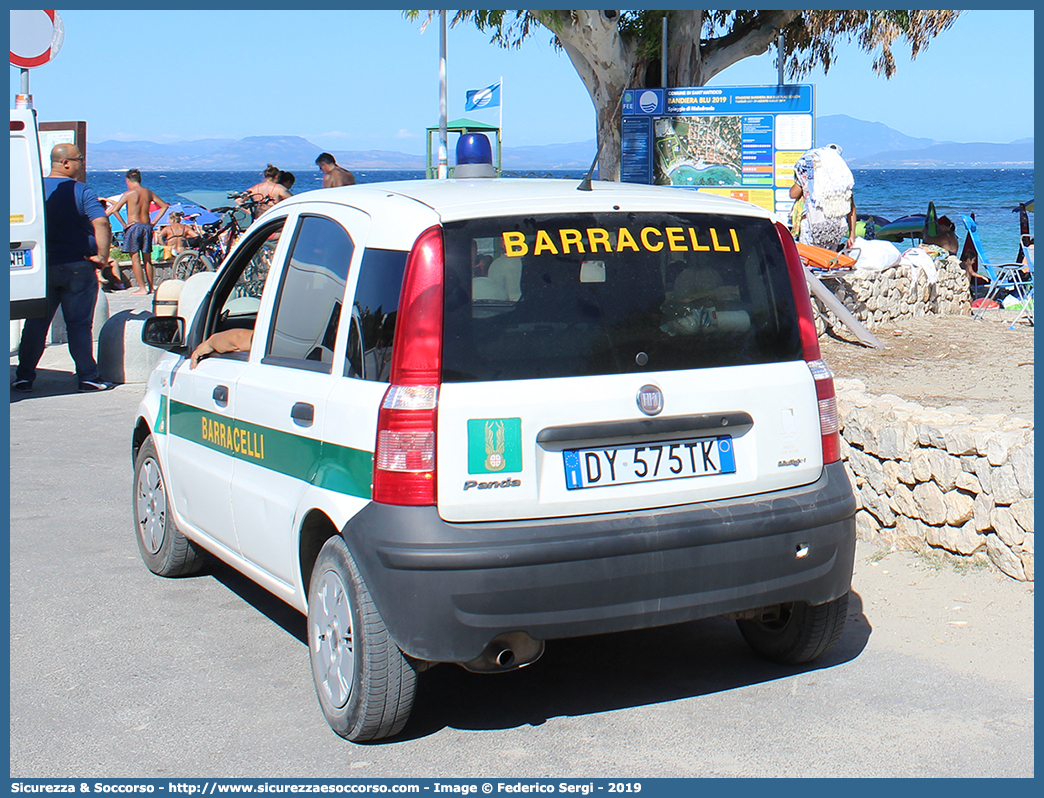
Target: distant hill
[
  {"x": 859, "y": 139},
  {"x": 950, "y": 155},
  {"x": 866, "y": 145},
  {"x": 873, "y": 145},
  {"x": 296, "y": 154},
  {"x": 550, "y": 156},
  {"x": 254, "y": 152}
]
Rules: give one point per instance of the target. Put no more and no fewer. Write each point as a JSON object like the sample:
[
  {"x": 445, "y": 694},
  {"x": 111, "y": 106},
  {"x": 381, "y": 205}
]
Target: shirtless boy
[
  {"x": 333, "y": 175},
  {"x": 137, "y": 236}
]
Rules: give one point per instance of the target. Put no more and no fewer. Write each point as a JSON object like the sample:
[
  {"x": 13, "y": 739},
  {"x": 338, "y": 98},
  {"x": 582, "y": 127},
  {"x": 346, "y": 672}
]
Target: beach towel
[{"x": 826, "y": 180}]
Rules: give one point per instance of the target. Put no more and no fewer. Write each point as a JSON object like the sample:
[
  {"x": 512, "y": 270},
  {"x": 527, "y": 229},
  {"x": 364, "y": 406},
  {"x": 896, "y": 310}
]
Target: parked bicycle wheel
[{"x": 191, "y": 262}]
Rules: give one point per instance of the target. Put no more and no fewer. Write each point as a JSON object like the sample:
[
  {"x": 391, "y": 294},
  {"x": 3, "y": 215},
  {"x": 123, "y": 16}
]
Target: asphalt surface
[{"x": 116, "y": 672}]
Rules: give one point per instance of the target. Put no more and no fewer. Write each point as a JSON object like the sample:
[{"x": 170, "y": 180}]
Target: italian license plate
[
  {"x": 649, "y": 462},
  {"x": 21, "y": 258}
]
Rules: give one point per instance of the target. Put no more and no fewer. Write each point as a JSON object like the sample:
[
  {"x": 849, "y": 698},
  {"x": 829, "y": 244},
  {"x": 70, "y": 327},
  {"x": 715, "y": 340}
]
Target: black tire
[
  {"x": 801, "y": 634},
  {"x": 363, "y": 681},
  {"x": 191, "y": 262},
  {"x": 162, "y": 546}
]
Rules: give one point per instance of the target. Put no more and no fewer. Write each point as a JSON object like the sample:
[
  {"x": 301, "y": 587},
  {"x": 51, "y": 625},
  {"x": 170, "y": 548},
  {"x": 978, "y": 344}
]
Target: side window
[
  {"x": 253, "y": 262},
  {"x": 244, "y": 298},
  {"x": 374, "y": 310},
  {"x": 308, "y": 307}
]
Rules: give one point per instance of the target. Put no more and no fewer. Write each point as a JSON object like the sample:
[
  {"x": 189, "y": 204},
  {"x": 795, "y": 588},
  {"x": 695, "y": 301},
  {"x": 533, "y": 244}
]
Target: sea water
[{"x": 991, "y": 194}]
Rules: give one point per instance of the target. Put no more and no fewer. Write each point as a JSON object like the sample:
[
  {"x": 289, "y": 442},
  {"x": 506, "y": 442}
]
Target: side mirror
[{"x": 164, "y": 332}]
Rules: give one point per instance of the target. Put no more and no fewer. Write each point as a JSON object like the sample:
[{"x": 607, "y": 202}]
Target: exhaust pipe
[{"x": 506, "y": 652}]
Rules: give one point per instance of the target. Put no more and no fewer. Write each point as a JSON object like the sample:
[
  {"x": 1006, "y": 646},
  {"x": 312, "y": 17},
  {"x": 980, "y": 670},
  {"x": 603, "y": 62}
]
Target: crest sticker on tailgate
[{"x": 494, "y": 445}]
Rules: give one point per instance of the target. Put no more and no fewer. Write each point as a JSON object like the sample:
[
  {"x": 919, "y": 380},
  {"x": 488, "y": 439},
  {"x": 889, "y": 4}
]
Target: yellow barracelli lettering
[
  {"x": 696, "y": 246},
  {"x": 625, "y": 239},
  {"x": 598, "y": 236},
  {"x": 649, "y": 239},
  {"x": 515, "y": 245},
  {"x": 646, "y": 232},
  {"x": 544, "y": 243},
  {"x": 714, "y": 240},
  {"x": 235, "y": 439},
  {"x": 676, "y": 239},
  {"x": 569, "y": 238}
]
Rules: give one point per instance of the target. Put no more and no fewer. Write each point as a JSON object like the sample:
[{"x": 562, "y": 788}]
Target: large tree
[{"x": 616, "y": 50}]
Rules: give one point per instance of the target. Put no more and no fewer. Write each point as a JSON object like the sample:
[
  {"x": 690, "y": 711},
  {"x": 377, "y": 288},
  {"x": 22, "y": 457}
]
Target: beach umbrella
[
  {"x": 194, "y": 214},
  {"x": 208, "y": 199}
]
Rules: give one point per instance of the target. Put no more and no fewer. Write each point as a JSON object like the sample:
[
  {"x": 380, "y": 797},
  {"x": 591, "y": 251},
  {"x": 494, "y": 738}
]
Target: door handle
[
  {"x": 221, "y": 395},
  {"x": 303, "y": 414}
]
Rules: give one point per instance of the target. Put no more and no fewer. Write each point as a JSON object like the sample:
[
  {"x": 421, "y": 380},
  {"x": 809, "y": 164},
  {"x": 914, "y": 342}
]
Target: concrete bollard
[
  {"x": 59, "y": 334},
  {"x": 122, "y": 357},
  {"x": 165, "y": 300}
]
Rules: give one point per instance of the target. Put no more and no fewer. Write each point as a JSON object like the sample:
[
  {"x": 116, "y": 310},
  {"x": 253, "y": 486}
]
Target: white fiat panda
[{"x": 480, "y": 414}]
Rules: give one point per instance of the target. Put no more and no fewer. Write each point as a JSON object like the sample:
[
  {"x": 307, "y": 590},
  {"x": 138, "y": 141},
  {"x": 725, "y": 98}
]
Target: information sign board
[{"x": 740, "y": 141}]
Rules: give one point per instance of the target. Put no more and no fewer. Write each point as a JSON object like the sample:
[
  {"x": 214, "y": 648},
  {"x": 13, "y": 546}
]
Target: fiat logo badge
[{"x": 650, "y": 400}]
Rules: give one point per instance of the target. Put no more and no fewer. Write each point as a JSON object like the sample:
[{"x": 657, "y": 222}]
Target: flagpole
[
  {"x": 500, "y": 124},
  {"x": 443, "y": 156}
]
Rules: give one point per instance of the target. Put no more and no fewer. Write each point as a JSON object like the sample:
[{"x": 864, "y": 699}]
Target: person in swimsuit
[
  {"x": 268, "y": 192},
  {"x": 174, "y": 233},
  {"x": 137, "y": 235}
]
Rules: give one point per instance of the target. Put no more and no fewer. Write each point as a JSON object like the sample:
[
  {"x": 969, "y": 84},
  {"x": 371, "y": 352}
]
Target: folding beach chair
[
  {"x": 1009, "y": 278},
  {"x": 1027, "y": 263}
]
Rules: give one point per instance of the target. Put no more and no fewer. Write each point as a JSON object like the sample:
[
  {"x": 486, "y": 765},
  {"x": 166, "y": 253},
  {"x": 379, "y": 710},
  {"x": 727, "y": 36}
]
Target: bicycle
[{"x": 207, "y": 251}]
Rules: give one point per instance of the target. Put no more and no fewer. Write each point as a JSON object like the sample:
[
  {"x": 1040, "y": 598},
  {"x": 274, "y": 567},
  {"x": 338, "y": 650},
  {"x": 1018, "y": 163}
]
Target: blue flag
[{"x": 488, "y": 97}]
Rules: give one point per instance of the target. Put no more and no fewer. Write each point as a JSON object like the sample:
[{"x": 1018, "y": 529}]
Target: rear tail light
[
  {"x": 806, "y": 321},
  {"x": 404, "y": 453},
  {"x": 829, "y": 424}
]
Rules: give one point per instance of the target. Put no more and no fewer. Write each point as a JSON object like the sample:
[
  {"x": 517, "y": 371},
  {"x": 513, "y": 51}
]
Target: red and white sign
[{"x": 36, "y": 37}]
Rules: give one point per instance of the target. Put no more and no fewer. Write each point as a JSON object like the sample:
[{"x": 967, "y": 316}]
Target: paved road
[{"x": 119, "y": 673}]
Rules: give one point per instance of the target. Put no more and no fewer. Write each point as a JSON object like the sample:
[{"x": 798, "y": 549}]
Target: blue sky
[{"x": 360, "y": 80}]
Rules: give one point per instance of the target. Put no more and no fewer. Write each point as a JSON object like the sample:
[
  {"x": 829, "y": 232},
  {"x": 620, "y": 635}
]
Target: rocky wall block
[
  {"x": 940, "y": 478},
  {"x": 877, "y": 298}
]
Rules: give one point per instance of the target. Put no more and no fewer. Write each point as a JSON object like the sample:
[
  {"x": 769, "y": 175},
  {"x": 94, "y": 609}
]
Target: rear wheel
[
  {"x": 800, "y": 633},
  {"x": 363, "y": 681},
  {"x": 191, "y": 262},
  {"x": 162, "y": 546}
]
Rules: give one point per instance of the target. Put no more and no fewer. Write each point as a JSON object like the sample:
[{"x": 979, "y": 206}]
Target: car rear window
[{"x": 559, "y": 296}]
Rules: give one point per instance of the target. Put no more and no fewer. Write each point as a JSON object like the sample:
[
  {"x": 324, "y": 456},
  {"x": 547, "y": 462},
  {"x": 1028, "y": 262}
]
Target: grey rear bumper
[{"x": 445, "y": 590}]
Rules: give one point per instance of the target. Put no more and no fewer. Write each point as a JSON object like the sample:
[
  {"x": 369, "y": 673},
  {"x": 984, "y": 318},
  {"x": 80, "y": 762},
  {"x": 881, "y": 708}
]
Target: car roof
[{"x": 484, "y": 197}]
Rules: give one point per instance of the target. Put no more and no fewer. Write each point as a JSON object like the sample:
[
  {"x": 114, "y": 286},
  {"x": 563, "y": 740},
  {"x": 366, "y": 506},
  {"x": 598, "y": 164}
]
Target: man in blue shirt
[{"x": 78, "y": 237}]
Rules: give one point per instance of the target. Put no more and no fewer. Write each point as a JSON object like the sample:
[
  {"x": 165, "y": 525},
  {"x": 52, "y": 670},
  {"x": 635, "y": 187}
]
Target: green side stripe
[
  {"x": 323, "y": 464},
  {"x": 161, "y": 417}
]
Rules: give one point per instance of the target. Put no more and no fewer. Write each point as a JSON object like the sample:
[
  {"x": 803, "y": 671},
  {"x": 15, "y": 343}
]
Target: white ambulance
[
  {"x": 28, "y": 249},
  {"x": 481, "y": 415}
]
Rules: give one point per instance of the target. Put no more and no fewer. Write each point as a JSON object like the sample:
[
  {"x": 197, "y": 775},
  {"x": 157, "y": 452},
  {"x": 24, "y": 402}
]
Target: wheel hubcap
[
  {"x": 151, "y": 503},
  {"x": 332, "y": 646}
]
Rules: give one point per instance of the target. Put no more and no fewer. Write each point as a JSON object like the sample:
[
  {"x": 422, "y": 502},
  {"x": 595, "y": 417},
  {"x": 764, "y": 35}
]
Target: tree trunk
[
  {"x": 605, "y": 63},
  {"x": 684, "y": 59}
]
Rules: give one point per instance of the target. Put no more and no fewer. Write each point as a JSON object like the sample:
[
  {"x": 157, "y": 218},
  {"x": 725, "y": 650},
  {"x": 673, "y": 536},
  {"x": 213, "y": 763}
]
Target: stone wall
[
  {"x": 884, "y": 297},
  {"x": 940, "y": 478}
]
